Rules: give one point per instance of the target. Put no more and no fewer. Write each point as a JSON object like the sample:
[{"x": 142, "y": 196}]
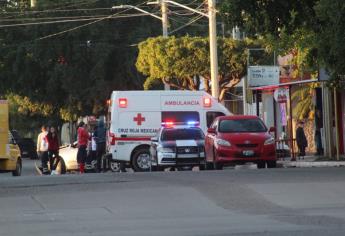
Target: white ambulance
[{"x": 136, "y": 116}]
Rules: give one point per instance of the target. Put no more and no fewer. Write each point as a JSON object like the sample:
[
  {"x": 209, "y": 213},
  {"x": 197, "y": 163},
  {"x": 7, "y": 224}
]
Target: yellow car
[{"x": 10, "y": 160}]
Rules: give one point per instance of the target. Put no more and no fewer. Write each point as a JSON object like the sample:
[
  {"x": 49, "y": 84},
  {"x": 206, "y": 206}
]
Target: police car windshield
[
  {"x": 243, "y": 125},
  {"x": 182, "y": 134}
]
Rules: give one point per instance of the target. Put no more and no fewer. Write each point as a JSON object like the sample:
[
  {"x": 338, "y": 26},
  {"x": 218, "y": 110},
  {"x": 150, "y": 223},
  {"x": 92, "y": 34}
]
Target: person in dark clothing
[
  {"x": 317, "y": 137},
  {"x": 53, "y": 149},
  {"x": 301, "y": 139},
  {"x": 99, "y": 136}
]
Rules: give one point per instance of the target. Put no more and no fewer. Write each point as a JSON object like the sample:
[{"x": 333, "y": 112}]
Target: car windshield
[
  {"x": 182, "y": 134},
  {"x": 244, "y": 125}
]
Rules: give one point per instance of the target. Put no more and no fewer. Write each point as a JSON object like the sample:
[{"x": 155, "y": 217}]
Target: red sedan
[{"x": 235, "y": 140}]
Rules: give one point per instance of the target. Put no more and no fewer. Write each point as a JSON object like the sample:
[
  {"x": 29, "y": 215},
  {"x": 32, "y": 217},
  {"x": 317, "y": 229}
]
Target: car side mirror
[
  {"x": 272, "y": 130},
  {"x": 154, "y": 139},
  {"x": 211, "y": 130}
]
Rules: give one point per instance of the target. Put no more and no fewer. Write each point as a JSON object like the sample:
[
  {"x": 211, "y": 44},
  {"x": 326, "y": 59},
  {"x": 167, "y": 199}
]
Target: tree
[
  {"x": 183, "y": 62},
  {"x": 331, "y": 48},
  {"x": 258, "y": 17},
  {"x": 75, "y": 72}
]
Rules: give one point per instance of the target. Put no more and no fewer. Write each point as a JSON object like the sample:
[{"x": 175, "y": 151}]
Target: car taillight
[
  {"x": 112, "y": 138},
  {"x": 122, "y": 102}
]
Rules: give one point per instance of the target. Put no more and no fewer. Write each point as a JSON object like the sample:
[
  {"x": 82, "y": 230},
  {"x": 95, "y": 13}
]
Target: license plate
[
  {"x": 25, "y": 153},
  {"x": 248, "y": 153}
]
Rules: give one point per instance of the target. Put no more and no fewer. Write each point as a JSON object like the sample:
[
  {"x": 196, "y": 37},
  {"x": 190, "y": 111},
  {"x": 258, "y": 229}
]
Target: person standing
[
  {"x": 83, "y": 139},
  {"x": 42, "y": 149},
  {"x": 99, "y": 135},
  {"x": 317, "y": 137},
  {"x": 301, "y": 139},
  {"x": 53, "y": 149}
]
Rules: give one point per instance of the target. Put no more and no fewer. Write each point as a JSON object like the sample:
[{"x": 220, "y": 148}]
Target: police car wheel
[
  {"x": 185, "y": 168},
  {"x": 141, "y": 160}
]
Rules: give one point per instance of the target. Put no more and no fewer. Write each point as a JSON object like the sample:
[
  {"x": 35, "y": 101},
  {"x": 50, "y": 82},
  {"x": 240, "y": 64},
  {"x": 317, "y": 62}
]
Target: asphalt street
[{"x": 244, "y": 201}]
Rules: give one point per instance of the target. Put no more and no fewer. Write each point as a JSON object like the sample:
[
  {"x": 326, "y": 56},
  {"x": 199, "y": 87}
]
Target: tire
[
  {"x": 157, "y": 168},
  {"x": 18, "y": 170},
  {"x": 216, "y": 165},
  {"x": 185, "y": 168},
  {"x": 115, "y": 166},
  {"x": 208, "y": 165},
  {"x": 62, "y": 165},
  {"x": 141, "y": 160},
  {"x": 261, "y": 165},
  {"x": 271, "y": 164}
]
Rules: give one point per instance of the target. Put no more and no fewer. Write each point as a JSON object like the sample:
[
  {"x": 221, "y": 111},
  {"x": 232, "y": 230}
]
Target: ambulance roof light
[
  {"x": 207, "y": 102},
  {"x": 122, "y": 102}
]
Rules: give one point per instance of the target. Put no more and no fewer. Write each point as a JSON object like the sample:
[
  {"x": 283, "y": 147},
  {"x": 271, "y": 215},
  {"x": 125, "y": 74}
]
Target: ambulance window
[
  {"x": 211, "y": 115},
  {"x": 180, "y": 116}
]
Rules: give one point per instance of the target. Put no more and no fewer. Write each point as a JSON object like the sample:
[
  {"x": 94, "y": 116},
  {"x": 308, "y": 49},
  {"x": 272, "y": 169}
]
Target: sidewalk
[{"x": 310, "y": 161}]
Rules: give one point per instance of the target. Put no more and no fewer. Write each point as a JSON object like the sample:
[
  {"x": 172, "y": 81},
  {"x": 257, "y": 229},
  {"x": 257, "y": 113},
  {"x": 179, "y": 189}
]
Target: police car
[{"x": 178, "y": 145}]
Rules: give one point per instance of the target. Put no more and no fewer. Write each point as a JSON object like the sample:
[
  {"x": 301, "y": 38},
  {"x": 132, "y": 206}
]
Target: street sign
[{"x": 263, "y": 76}]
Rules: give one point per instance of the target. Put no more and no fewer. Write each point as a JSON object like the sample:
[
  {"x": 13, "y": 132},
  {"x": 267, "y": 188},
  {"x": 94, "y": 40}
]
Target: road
[{"x": 296, "y": 201}]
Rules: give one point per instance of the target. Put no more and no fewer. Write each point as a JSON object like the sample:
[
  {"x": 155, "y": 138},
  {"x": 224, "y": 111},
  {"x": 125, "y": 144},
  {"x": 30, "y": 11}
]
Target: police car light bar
[
  {"x": 170, "y": 124},
  {"x": 123, "y": 102}
]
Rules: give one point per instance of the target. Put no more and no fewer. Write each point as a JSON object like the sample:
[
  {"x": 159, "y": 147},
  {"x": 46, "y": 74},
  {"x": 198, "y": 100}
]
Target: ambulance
[
  {"x": 134, "y": 117},
  {"x": 10, "y": 160}
]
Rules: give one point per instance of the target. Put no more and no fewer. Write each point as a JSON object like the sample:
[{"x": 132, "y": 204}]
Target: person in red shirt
[
  {"x": 83, "y": 139},
  {"x": 53, "y": 149}
]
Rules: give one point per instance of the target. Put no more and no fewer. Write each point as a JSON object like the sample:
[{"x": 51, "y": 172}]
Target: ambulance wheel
[
  {"x": 115, "y": 166},
  {"x": 18, "y": 170},
  {"x": 141, "y": 160}
]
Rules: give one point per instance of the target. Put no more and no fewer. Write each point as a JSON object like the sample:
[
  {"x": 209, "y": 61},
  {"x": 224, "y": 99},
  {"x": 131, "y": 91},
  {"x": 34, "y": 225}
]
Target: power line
[
  {"x": 90, "y": 23},
  {"x": 187, "y": 24},
  {"x": 114, "y": 16},
  {"x": 21, "y": 13}
]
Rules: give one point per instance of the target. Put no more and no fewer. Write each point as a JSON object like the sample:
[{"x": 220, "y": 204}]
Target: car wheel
[
  {"x": 271, "y": 164},
  {"x": 157, "y": 168},
  {"x": 18, "y": 170},
  {"x": 141, "y": 160},
  {"x": 216, "y": 165},
  {"x": 115, "y": 166},
  {"x": 185, "y": 168},
  {"x": 62, "y": 166},
  {"x": 261, "y": 165}
]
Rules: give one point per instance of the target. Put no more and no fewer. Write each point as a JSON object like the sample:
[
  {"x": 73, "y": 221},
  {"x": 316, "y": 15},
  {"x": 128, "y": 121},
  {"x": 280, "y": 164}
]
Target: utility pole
[
  {"x": 213, "y": 48},
  {"x": 165, "y": 25},
  {"x": 213, "y": 39},
  {"x": 33, "y": 3}
]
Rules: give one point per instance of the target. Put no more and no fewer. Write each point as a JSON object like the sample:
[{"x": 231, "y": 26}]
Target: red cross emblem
[{"x": 139, "y": 119}]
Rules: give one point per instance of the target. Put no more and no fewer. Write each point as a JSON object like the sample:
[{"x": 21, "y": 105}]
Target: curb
[{"x": 299, "y": 164}]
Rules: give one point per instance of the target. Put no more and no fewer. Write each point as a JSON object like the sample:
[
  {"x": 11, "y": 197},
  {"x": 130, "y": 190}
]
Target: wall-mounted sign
[
  {"x": 263, "y": 76},
  {"x": 281, "y": 95}
]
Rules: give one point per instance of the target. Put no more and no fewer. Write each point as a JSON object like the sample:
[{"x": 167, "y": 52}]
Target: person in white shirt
[{"x": 42, "y": 149}]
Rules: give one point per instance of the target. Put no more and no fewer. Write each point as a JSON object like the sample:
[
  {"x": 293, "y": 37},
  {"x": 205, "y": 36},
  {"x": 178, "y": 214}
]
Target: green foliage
[
  {"x": 72, "y": 73},
  {"x": 331, "y": 48},
  {"x": 259, "y": 17},
  {"x": 180, "y": 61},
  {"x": 302, "y": 98}
]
